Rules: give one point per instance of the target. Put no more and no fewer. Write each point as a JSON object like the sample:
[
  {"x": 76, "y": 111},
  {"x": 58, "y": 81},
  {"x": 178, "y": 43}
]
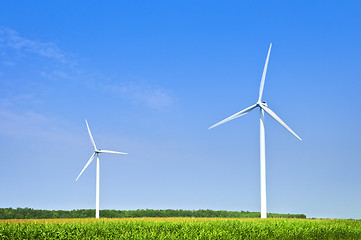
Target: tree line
[{"x": 29, "y": 213}]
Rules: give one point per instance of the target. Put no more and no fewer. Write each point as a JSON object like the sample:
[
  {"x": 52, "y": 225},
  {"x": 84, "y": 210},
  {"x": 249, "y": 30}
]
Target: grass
[{"x": 180, "y": 228}]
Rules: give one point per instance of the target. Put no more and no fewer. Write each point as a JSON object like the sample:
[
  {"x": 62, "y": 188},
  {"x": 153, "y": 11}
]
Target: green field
[{"x": 180, "y": 228}]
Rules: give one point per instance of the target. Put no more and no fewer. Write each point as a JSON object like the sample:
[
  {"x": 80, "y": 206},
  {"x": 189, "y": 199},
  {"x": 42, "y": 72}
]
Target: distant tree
[{"x": 27, "y": 213}]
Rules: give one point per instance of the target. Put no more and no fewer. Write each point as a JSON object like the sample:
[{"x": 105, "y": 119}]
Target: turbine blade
[
  {"x": 86, "y": 165},
  {"x": 90, "y": 135},
  {"x": 108, "y": 151},
  {"x": 264, "y": 74},
  {"x": 275, "y": 117},
  {"x": 243, "y": 112}
]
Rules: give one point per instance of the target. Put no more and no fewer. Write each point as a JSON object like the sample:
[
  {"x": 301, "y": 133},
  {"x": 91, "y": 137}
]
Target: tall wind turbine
[
  {"x": 263, "y": 108},
  {"x": 96, "y": 153}
]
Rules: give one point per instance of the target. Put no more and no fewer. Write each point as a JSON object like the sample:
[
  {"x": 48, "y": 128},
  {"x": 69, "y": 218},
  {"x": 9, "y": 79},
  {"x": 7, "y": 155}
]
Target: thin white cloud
[
  {"x": 139, "y": 92},
  {"x": 27, "y": 123},
  {"x": 30, "y": 124},
  {"x": 150, "y": 96},
  {"x": 20, "y": 98},
  {"x": 12, "y": 39},
  {"x": 154, "y": 98}
]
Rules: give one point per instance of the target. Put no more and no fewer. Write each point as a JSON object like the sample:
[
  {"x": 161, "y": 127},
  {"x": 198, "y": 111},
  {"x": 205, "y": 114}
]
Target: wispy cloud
[
  {"x": 41, "y": 133},
  {"x": 11, "y": 38},
  {"x": 151, "y": 96},
  {"x": 154, "y": 98},
  {"x": 130, "y": 88},
  {"x": 12, "y": 99},
  {"x": 138, "y": 92},
  {"x": 27, "y": 124}
]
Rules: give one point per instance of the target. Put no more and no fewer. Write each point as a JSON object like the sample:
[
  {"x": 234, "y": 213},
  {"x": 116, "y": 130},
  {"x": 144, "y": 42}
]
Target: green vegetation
[
  {"x": 181, "y": 228},
  {"x": 29, "y": 213}
]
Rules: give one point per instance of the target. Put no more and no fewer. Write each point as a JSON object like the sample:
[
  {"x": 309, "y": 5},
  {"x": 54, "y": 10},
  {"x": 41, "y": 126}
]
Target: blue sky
[{"x": 151, "y": 77}]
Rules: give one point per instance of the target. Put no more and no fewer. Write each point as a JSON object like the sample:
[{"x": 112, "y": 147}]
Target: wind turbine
[
  {"x": 263, "y": 108},
  {"x": 96, "y": 153}
]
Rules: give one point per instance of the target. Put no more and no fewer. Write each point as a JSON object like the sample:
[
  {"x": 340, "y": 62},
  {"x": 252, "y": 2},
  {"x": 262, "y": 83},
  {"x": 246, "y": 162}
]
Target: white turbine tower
[
  {"x": 263, "y": 108},
  {"x": 96, "y": 153}
]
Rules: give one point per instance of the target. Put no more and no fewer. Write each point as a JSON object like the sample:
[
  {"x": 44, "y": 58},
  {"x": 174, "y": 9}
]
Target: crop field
[{"x": 180, "y": 228}]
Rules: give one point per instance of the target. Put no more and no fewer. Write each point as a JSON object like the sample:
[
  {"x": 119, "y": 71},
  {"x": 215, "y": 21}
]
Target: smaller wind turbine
[{"x": 96, "y": 153}]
